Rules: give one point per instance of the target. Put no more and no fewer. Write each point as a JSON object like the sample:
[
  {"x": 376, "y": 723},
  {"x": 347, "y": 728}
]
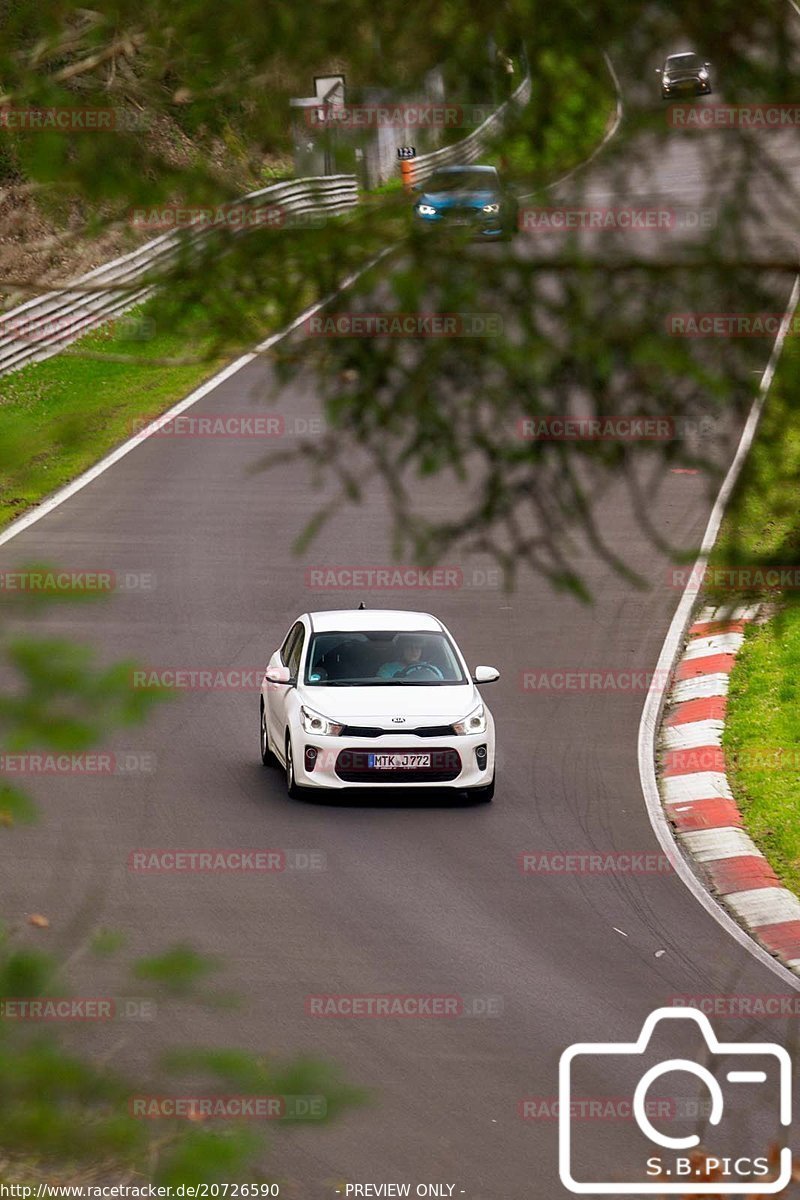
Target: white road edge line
[
  {"x": 63, "y": 494},
  {"x": 655, "y": 699}
]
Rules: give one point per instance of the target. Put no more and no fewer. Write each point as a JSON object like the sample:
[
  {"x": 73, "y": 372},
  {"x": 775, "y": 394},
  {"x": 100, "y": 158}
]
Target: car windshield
[
  {"x": 681, "y": 62},
  {"x": 462, "y": 181},
  {"x": 378, "y": 658}
]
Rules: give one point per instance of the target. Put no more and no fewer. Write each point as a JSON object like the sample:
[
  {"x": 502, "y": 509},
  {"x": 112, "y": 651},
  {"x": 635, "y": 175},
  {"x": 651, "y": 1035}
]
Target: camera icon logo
[{"x": 760, "y": 1074}]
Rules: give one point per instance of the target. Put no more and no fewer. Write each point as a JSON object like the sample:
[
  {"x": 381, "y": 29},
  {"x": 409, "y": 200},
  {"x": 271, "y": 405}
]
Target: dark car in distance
[{"x": 685, "y": 73}]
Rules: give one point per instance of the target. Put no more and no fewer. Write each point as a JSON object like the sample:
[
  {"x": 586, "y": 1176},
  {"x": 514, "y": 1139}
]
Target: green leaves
[
  {"x": 64, "y": 1111},
  {"x": 177, "y": 972},
  {"x": 16, "y": 808}
]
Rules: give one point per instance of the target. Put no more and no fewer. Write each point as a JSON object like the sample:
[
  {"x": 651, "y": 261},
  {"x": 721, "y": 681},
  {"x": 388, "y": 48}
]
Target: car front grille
[
  {"x": 352, "y": 767},
  {"x": 461, "y": 212},
  {"x": 373, "y": 731}
]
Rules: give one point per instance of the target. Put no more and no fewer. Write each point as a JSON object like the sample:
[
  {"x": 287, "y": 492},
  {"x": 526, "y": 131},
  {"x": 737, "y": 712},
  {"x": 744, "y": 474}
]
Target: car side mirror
[
  {"x": 658, "y": 70},
  {"x": 278, "y": 674},
  {"x": 485, "y": 675},
  {"x": 706, "y": 64}
]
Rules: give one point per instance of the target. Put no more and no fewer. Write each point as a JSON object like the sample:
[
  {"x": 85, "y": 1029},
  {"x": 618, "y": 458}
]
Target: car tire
[
  {"x": 267, "y": 757},
  {"x": 295, "y": 792},
  {"x": 483, "y": 795}
]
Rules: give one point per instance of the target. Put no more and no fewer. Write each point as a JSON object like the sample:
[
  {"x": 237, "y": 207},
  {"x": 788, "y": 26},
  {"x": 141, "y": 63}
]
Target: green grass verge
[
  {"x": 60, "y": 416},
  {"x": 762, "y": 730},
  {"x": 762, "y": 741}
]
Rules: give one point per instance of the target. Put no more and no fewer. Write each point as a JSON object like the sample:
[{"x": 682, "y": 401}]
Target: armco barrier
[
  {"x": 52, "y": 321},
  {"x": 474, "y": 144}
]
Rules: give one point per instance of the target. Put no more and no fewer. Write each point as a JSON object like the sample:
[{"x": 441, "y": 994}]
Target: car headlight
[
  {"x": 703, "y": 74},
  {"x": 474, "y": 722},
  {"x": 314, "y": 722},
  {"x": 491, "y": 208},
  {"x": 426, "y": 210}
]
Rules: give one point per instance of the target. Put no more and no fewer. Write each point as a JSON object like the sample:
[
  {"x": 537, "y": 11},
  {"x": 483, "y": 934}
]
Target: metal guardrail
[
  {"x": 474, "y": 144},
  {"x": 41, "y": 327}
]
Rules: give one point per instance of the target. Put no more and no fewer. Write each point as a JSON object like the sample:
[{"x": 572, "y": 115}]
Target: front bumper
[
  {"x": 343, "y": 762},
  {"x": 689, "y": 87},
  {"x": 478, "y": 224}
]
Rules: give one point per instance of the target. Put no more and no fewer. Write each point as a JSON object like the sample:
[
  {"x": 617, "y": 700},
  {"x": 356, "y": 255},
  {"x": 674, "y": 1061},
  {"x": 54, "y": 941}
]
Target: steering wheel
[{"x": 415, "y": 668}]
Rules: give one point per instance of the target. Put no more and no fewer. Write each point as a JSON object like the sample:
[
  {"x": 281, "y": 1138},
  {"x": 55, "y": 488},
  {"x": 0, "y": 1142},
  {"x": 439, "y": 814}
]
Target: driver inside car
[{"x": 411, "y": 650}]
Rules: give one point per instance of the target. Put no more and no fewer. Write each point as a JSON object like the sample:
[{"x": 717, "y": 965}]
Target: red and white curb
[{"x": 696, "y": 795}]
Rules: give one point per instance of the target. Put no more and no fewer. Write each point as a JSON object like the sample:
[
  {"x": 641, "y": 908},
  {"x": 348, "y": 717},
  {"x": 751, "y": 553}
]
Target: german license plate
[{"x": 398, "y": 762}]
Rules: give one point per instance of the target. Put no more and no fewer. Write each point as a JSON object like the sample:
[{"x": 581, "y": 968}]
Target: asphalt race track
[{"x": 416, "y": 897}]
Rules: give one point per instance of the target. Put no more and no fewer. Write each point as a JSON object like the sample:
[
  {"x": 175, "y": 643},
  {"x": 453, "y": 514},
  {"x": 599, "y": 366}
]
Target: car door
[
  {"x": 276, "y": 692},
  {"x": 290, "y": 655}
]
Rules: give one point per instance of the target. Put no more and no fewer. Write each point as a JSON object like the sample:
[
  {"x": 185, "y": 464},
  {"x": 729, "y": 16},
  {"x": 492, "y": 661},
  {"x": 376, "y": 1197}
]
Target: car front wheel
[
  {"x": 294, "y": 791},
  {"x": 267, "y": 757}
]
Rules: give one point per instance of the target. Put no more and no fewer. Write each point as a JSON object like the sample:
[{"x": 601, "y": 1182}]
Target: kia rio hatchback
[{"x": 370, "y": 698}]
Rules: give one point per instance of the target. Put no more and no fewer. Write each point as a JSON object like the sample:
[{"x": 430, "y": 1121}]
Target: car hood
[
  {"x": 376, "y": 706},
  {"x": 459, "y": 199}
]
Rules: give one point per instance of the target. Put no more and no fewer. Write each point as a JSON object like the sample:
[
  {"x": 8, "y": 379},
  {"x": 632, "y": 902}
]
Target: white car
[{"x": 364, "y": 698}]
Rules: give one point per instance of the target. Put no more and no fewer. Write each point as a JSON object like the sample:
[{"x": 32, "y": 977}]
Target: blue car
[{"x": 472, "y": 196}]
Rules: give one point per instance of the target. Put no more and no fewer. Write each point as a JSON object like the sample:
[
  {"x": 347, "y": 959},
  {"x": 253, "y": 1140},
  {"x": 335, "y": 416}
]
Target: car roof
[
  {"x": 684, "y": 54},
  {"x": 345, "y": 619},
  {"x": 465, "y": 167}
]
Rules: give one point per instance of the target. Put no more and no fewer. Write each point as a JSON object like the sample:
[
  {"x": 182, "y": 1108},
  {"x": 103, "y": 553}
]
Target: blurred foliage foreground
[{"x": 66, "y": 1114}]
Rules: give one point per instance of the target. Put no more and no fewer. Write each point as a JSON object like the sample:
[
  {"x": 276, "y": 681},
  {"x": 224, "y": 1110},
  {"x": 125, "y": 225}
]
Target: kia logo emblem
[{"x": 399, "y": 720}]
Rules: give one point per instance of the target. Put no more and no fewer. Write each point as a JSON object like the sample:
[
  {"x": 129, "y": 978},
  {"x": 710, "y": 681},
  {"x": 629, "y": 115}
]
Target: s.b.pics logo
[{"x": 735, "y": 1087}]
